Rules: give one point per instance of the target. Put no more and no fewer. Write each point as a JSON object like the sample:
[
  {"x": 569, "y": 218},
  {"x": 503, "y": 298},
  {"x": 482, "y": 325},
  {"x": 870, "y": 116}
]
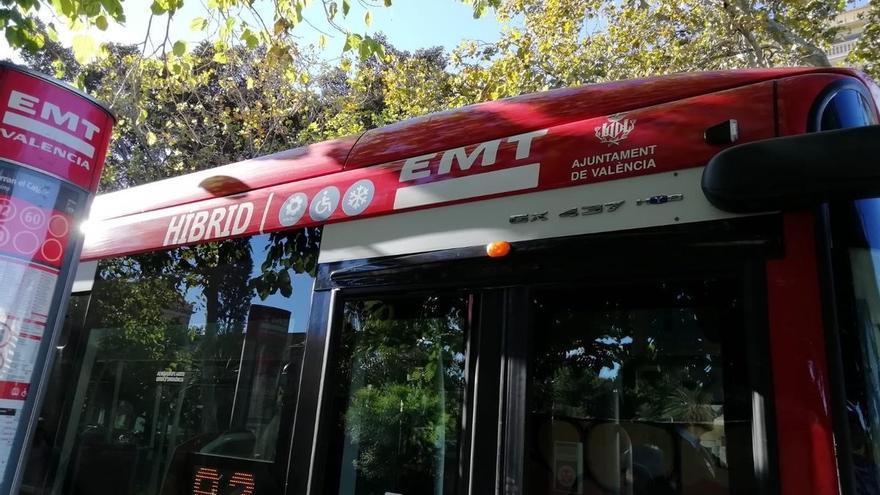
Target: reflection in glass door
[
  {"x": 553, "y": 383},
  {"x": 402, "y": 383},
  {"x": 626, "y": 390}
]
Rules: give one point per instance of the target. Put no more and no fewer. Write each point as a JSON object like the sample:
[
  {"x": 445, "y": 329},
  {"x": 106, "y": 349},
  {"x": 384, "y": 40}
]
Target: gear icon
[
  {"x": 292, "y": 209},
  {"x": 295, "y": 205}
]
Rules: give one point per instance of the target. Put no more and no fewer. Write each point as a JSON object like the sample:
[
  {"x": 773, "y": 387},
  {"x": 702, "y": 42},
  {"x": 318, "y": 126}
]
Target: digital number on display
[{"x": 212, "y": 481}]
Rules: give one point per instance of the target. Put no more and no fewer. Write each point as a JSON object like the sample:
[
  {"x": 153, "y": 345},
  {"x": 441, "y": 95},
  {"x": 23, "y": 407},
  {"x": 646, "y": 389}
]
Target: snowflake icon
[{"x": 358, "y": 197}]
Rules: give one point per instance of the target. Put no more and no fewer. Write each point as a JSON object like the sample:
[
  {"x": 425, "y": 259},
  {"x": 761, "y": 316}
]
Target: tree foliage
[
  {"x": 405, "y": 361},
  {"x": 867, "y": 52},
  {"x": 218, "y": 114},
  {"x": 557, "y": 43},
  {"x": 272, "y": 25}
]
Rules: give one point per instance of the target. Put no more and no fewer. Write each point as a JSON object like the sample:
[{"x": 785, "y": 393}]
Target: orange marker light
[{"x": 498, "y": 249}]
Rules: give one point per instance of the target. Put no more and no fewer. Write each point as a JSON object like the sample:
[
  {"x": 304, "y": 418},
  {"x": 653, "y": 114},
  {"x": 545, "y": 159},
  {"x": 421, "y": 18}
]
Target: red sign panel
[
  {"x": 51, "y": 128},
  {"x": 52, "y": 146},
  {"x": 30, "y": 232}
]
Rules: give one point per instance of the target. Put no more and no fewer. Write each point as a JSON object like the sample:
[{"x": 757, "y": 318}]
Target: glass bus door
[
  {"x": 403, "y": 370},
  {"x": 632, "y": 388},
  {"x": 543, "y": 375}
]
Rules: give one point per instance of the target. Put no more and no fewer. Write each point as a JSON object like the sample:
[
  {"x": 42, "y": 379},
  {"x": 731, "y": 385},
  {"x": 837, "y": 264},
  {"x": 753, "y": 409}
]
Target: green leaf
[
  {"x": 279, "y": 54},
  {"x": 388, "y": 3},
  {"x": 322, "y": 41},
  {"x": 114, "y": 8},
  {"x": 368, "y": 18},
  {"x": 13, "y": 37},
  {"x": 379, "y": 51},
  {"x": 66, "y": 7},
  {"x": 284, "y": 283},
  {"x": 101, "y": 22},
  {"x": 84, "y": 48},
  {"x": 179, "y": 48},
  {"x": 59, "y": 68},
  {"x": 352, "y": 42},
  {"x": 227, "y": 28},
  {"x": 198, "y": 24},
  {"x": 250, "y": 38},
  {"x": 35, "y": 41},
  {"x": 91, "y": 9},
  {"x": 157, "y": 8},
  {"x": 220, "y": 58},
  {"x": 151, "y": 138},
  {"x": 280, "y": 26},
  {"x": 346, "y": 6},
  {"x": 51, "y": 32},
  {"x": 365, "y": 49},
  {"x": 369, "y": 47}
]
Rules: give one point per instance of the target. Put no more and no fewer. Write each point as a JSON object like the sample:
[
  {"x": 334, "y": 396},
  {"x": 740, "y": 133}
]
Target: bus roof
[{"x": 429, "y": 133}]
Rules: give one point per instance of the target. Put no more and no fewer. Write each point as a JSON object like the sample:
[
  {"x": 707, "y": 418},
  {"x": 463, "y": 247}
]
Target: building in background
[{"x": 852, "y": 24}]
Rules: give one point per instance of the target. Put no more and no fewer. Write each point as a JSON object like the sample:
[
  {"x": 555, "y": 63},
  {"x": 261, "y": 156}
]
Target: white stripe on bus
[
  {"x": 483, "y": 221},
  {"x": 472, "y": 186}
]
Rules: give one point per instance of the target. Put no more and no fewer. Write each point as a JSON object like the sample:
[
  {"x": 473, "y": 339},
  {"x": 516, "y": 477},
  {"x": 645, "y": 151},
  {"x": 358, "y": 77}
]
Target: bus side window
[
  {"x": 846, "y": 108},
  {"x": 189, "y": 365}
]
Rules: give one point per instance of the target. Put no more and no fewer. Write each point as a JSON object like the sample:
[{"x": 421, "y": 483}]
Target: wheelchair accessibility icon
[{"x": 324, "y": 203}]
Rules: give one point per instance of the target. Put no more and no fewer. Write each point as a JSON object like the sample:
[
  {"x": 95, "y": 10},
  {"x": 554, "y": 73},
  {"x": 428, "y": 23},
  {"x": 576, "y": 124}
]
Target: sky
[{"x": 409, "y": 25}]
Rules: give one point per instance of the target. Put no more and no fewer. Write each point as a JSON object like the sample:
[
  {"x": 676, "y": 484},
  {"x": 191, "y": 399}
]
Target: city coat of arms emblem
[{"x": 615, "y": 130}]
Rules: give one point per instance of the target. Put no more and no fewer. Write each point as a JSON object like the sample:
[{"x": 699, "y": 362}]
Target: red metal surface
[
  {"x": 511, "y": 116},
  {"x": 804, "y": 426},
  {"x": 287, "y": 166},
  {"x": 655, "y": 139},
  {"x": 51, "y": 128},
  {"x": 796, "y": 97},
  {"x": 872, "y": 87},
  {"x": 800, "y": 373},
  {"x": 439, "y": 131}
]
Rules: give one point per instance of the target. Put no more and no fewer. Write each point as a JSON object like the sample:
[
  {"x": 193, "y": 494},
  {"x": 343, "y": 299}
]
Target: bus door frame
[{"x": 743, "y": 245}]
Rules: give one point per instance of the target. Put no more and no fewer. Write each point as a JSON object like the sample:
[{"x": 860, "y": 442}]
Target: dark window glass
[
  {"x": 848, "y": 108},
  {"x": 857, "y": 247},
  {"x": 859, "y": 303},
  {"x": 627, "y": 390},
  {"x": 402, "y": 370},
  {"x": 188, "y": 355},
  {"x": 57, "y": 399}
]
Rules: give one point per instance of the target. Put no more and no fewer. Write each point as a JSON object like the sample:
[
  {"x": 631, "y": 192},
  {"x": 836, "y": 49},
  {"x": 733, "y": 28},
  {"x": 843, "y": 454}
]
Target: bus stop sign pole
[{"x": 53, "y": 140}]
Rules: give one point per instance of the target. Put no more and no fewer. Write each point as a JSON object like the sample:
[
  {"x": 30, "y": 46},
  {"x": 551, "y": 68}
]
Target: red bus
[{"x": 657, "y": 286}]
